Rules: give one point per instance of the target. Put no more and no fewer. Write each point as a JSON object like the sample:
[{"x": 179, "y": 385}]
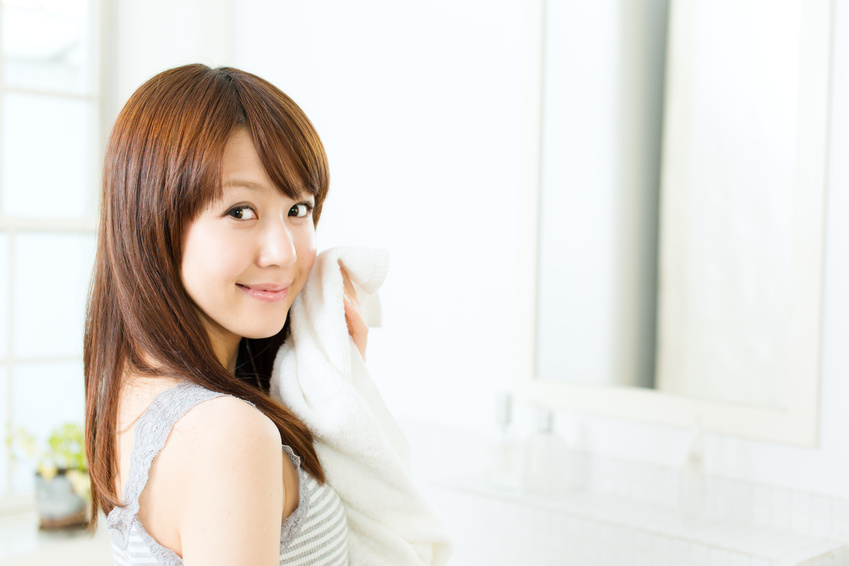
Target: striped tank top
[{"x": 315, "y": 534}]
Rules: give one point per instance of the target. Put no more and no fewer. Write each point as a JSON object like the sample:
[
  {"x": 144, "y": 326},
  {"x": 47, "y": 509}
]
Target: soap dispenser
[
  {"x": 693, "y": 487},
  {"x": 505, "y": 456},
  {"x": 546, "y": 460}
]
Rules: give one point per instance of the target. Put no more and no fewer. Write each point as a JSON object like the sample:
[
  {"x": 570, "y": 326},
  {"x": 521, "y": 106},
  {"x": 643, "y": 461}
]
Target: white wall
[
  {"x": 144, "y": 38},
  {"x": 418, "y": 107}
]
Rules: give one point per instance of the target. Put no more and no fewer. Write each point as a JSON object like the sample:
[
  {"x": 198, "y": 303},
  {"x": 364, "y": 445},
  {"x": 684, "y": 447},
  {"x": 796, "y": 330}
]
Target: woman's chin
[{"x": 266, "y": 332}]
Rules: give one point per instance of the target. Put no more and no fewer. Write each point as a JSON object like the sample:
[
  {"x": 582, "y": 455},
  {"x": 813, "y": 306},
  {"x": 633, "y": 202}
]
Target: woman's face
[{"x": 248, "y": 255}]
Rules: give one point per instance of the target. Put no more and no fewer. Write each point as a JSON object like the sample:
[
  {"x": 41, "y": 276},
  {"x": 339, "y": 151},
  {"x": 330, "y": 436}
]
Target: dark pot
[{"x": 58, "y": 506}]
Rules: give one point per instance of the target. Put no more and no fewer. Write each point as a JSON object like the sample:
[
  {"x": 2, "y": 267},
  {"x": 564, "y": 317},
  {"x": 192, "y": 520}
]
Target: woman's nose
[{"x": 277, "y": 247}]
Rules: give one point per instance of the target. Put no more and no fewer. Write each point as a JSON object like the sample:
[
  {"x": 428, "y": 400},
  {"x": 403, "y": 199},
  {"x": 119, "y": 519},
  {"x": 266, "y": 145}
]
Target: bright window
[{"x": 50, "y": 148}]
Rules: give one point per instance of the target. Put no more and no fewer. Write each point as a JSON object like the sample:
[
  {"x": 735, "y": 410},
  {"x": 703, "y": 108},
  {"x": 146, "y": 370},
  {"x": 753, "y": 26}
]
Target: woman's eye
[
  {"x": 242, "y": 213},
  {"x": 301, "y": 210}
]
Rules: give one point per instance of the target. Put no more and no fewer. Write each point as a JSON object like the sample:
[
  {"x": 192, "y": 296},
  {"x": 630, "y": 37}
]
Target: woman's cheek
[{"x": 306, "y": 249}]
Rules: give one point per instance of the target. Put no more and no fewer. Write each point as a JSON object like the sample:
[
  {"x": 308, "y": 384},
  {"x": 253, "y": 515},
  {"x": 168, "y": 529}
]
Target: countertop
[{"x": 23, "y": 544}]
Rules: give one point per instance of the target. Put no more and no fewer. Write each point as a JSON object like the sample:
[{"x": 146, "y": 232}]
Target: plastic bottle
[
  {"x": 693, "y": 487},
  {"x": 546, "y": 460},
  {"x": 505, "y": 455}
]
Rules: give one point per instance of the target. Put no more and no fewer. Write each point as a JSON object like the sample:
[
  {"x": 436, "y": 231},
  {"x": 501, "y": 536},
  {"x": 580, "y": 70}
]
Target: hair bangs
[{"x": 285, "y": 140}]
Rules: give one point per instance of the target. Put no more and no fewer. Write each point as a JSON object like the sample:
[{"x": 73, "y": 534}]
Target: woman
[{"x": 213, "y": 183}]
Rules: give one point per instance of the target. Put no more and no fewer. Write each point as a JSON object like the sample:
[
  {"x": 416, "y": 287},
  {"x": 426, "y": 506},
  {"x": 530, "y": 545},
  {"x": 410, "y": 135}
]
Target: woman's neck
[
  {"x": 227, "y": 354},
  {"x": 225, "y": 346}
]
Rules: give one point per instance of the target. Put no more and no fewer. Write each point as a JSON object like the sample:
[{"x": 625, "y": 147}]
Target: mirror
[{"x": 672, "y": 234}]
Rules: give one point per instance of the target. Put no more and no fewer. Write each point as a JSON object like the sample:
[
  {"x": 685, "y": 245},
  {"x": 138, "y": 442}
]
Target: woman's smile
[{"x": 266, "y": 292}]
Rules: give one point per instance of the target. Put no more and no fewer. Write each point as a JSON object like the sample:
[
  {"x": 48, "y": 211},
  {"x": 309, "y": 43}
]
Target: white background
[{"x": 418, "y": 106}]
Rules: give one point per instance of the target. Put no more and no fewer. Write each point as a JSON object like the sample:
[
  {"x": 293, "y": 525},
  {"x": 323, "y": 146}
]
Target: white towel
[{"x": 320, "y": 375}]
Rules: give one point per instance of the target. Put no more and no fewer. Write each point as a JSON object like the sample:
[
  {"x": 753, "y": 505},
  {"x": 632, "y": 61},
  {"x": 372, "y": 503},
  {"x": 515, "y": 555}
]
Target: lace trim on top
[
  {"x": 151, "y": 433},
  {"x": 292, "y": 523}
]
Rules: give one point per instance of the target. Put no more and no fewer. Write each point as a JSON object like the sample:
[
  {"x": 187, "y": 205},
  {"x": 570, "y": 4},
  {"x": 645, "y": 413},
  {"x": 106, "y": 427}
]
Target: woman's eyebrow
[
  {"x": 243, "y": 183},
  {"x": 254, "y": 186}
]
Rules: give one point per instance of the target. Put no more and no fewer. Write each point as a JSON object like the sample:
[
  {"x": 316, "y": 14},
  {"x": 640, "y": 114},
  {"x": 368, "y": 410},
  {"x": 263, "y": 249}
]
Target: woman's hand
[{"x": 357, "y": 327}]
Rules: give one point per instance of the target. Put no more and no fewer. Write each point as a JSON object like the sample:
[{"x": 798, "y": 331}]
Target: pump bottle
[
  {"x": 693, "y": 487},
  {"x": 505, "y": 457},
  {"x": 546, "y": 460}
]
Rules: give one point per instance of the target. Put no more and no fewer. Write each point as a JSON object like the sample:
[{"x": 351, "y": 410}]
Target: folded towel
[{"x": 320, "y": 375}]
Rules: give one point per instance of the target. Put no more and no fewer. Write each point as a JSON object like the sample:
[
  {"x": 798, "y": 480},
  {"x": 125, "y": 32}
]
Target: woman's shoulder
[
  {"x": 225, "y": 426},
  {"x": 209, "y": 416},
  {"x": 219, "y": 436},
  {"x": 224, "y": 467}
]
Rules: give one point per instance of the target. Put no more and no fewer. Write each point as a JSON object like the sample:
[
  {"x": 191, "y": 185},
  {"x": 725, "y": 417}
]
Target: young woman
[{"x": 213, "y": 183}]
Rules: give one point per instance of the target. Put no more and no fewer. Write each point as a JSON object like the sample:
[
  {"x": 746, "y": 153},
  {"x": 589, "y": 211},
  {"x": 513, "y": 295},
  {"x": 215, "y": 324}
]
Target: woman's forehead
[
  {"x": 239, "y": 185},
  {"x": 242, "y": 166}
]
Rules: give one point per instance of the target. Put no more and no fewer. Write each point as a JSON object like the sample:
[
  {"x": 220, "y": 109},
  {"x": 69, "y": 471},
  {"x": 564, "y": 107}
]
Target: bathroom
[{"x": 430, "y": 113}]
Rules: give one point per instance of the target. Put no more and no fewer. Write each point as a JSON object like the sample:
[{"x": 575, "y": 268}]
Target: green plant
[{"x": 64, "y": 452}]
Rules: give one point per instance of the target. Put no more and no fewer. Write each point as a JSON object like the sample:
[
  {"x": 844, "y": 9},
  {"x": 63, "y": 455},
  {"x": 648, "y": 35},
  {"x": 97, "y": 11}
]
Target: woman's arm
[{"x": 235, "y": 491}]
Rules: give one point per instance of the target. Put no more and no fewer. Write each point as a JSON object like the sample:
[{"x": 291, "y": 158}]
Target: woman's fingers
[
  {"x": 350, "y": 292},
  {"x": 357, "y": 327},
  {"x": 346, "y": 281}
]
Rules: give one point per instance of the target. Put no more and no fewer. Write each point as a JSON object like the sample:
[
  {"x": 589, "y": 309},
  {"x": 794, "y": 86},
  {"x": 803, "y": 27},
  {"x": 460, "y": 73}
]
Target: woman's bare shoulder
[
  {"x": 224, "y": 431},
  {"x": 230, "y": 460},
  {"x": 225, "y": 417},
  {"x": 222, "y": 434}
]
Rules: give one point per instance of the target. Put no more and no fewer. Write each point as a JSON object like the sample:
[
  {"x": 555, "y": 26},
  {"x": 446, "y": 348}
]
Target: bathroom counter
[
  {"x": 626, "y": 516},
  {"x": 606, "y": 529}
]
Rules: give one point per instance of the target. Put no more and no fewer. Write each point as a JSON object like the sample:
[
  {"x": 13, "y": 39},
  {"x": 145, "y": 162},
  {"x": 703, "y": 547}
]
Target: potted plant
[{"x": 61, "y": 480}]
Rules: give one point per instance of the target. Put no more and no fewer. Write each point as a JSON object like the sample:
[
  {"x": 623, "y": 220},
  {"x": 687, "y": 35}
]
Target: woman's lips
[{"x": 266, "y": 292}]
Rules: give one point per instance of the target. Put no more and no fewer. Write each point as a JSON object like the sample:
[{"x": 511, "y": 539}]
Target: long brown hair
[{"x": 162, "y": 167}]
